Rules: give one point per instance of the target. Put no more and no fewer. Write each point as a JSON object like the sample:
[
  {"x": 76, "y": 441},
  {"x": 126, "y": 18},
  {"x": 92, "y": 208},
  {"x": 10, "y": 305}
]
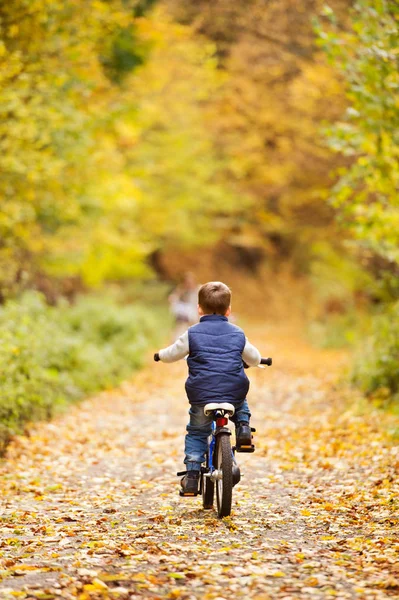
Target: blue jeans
[{"x": 200, "y": 427}]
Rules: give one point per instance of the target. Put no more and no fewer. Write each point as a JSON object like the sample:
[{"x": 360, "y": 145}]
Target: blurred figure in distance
[{"x": 184, "y": 304}]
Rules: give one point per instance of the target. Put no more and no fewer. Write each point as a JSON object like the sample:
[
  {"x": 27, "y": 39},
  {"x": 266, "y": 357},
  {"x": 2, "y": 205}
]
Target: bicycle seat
[{"x": 225, "y": 406}]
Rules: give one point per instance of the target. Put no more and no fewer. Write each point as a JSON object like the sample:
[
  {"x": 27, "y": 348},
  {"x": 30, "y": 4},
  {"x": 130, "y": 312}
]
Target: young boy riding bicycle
[{"x": 216, "y": 351}]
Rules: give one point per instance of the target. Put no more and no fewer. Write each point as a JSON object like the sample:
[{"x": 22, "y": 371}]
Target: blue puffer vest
[{"x": 216, "y": 372}]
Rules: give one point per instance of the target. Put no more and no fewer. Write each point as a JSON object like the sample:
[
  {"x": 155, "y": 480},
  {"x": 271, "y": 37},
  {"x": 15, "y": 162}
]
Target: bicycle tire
[
  {"x": 208, "y": 492},
  {"x": 224, "y": 463}
]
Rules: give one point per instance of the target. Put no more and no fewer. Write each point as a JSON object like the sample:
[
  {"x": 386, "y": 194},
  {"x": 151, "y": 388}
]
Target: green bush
[
  {"x": 53, "y": 355},
  {"x": 339, "y": 330},
  {"x": 376, "y": 369}
]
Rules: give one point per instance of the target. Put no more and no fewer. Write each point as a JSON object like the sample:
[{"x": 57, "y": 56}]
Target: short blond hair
[{"x": 214, "y": 297}]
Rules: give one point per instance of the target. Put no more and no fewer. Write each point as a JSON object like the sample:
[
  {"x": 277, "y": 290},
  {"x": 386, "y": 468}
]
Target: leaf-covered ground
[{"x": 90, "y": 506}]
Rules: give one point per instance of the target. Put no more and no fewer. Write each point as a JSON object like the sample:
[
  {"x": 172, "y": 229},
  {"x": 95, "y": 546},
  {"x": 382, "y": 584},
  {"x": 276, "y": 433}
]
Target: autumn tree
[
  {"x": 106, "y": 153},
  {"x": 53, "y": 91},
  {"x": 366, "y": 57},
  {"x": 279, "y": 90}
]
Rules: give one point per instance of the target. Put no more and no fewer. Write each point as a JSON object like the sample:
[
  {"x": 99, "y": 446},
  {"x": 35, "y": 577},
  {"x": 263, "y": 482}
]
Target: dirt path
[{"x": 89, "y": 506}]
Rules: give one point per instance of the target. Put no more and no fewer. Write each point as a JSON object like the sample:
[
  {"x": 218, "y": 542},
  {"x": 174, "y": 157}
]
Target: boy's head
[{"x": 214, "y": 297}]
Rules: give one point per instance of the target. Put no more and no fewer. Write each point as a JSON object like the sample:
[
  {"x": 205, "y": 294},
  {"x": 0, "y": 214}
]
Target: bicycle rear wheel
[{"x": 224, "y": 466}]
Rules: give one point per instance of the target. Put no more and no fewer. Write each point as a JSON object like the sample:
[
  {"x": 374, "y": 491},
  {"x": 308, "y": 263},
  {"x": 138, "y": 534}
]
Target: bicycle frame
[{"x": 212, "y": 445}]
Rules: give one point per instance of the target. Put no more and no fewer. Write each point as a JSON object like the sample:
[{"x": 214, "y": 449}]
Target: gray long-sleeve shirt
[{"x": 180, "y": 349}]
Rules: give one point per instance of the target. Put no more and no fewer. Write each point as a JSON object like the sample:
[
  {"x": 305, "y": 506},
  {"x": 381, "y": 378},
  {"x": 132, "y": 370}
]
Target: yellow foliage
[{"x": 100, "y": 170}]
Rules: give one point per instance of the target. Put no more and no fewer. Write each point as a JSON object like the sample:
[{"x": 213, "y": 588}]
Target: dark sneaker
[
  {"x": 244, "y": 438},
  {"x": 243, "y": 434},
  {"x": 189, "y": 483}
]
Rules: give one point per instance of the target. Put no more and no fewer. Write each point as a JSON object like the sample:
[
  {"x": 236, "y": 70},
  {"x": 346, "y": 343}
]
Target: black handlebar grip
[
  {"x": 156, "y": 357},
  {"x": 266, "y": 361}
]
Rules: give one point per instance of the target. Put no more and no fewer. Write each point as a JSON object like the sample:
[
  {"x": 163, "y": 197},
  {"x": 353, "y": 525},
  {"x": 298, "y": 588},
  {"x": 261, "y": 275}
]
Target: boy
[{"x": 216, "y": 350}]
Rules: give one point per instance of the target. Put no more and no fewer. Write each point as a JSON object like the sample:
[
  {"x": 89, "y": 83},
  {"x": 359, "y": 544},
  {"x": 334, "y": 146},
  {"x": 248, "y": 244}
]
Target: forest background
[{"x": 252, "y": 141}]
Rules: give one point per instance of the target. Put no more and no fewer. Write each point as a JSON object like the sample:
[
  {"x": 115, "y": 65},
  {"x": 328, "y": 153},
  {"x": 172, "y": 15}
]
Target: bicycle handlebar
[
  {"x": 263, "y": 361},
  {"x": 266, "y": 361}
]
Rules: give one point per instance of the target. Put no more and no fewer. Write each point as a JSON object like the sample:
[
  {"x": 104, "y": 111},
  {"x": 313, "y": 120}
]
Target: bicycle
[{"x": 221, "y": 465}]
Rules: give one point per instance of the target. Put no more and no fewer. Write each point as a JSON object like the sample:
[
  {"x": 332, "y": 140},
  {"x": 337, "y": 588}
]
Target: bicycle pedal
[
  {"x": 250, "y": 448},
  {"x": 187, "y": 494},
  {"x": 253, "y": 429}
]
